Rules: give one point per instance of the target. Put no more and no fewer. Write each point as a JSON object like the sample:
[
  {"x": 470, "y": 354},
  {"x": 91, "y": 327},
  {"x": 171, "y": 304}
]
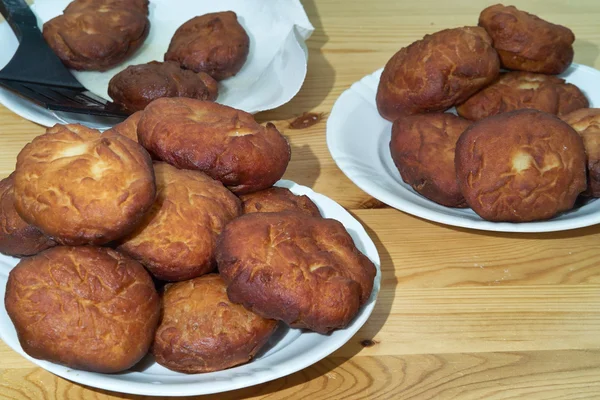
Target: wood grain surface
[{"x": 461, "y": 314}]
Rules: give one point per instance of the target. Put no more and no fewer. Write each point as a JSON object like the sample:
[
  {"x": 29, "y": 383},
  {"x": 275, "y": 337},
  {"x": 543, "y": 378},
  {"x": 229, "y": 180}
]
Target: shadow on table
[
  {"x": 320, "y": 75},
  {"x": 304, "y": 167}
]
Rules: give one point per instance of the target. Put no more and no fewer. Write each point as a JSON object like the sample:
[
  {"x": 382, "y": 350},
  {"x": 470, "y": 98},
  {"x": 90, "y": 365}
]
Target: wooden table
[{"x": 461, "y": 314}]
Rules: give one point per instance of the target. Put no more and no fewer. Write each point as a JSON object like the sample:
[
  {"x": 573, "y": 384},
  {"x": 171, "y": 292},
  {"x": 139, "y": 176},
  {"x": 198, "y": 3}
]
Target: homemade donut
[
  {"x": 80, "y": 187},
  {"x": 518, "y": 90},
  {"x": 137, "y": 85},
  {"x": 587, "y": 123},
  {"x": 526, "y": 42},
  {"x": 278, "y": 199},
  {"x": 177, "y": 239},
  {"x": 422, "y": 147},
  {"x": 225, "y": 143},
  {"x": 98, "y": 34},
  {"x": 305, "y": 271},
  {"x": 520, "y": 166},
  {"x": 214, "y": 43},
  {"x": 437, "y": 72},
  {"x": 17, "y": 237},
  {"x": 87, "y": 308},
  {"x": 202, "y": 331}
]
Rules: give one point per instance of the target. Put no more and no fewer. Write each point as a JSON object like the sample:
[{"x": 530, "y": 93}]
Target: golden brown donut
[
  {"x": 422, "y": 147},
  {"x": 520, "y": 166},
  {"x": 225, "y": 143},
  {"x": 127, "y": 128},
  {"x": 202, "y": 331},
  {"x": 437, "y": 72},
  {"x": 88, "y": 308},
  {"x": 526, "y": 42},
  {"x": 214, "y": 43},
  {"x": 137, "y": 85},
  {"x": 17, "y": 237},
  {"x": 277, "y": 199},
  {"x": 98, "y": 34},
  {"x": 586, "y": 122},
  {"x": 177, "y": 239},
  {"x": 305, "y": 271},
  {"x": 81, "y": 187},
  {"x": 517, "y": 90}
]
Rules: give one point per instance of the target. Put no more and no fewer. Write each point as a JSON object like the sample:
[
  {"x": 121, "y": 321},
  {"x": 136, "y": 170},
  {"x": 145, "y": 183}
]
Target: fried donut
[
  {"x": 214, "y": 43},
  {"x": 127, "y": 128},
  {"x": 305, "y": 271},
  {"x": 520, "y": 166},
  {"x": 178, "y": 237},
  {"x": 17, "y": 237},
  {"x": 278, "y": 199},
  {"x": 80, "y": 187},
  {"x": 225, "y": 143},
  {"x": 437, "y": 72},
  {"x": 202, "y": 331},
  {"x": 422, "y": 148},
  {"x": 517, "y": 90},
  {"x": 526, "y": 42},
  {"x": 137, "y": 85},
  {"x": 587, "y": 123},
  {"x": 98, "y": 34},
  {"x": 88, "y": 308}
]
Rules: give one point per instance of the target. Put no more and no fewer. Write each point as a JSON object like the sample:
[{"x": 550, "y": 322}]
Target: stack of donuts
[
  {"x": 524, "y": 145},
  {"x": 165, "y": 234}
]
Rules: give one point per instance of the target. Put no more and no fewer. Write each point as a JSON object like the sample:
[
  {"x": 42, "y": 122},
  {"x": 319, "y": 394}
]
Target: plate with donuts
[
  {"x": 165, "y": 256},
  {"x": 249, "y": 56},
  {"x": 489, "y": 127}
]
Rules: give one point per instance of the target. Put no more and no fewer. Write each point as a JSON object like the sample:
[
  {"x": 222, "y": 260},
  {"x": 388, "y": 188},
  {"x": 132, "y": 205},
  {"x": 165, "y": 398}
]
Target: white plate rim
[
  {"x": 289, "y": 366},
  {"x": 361, "y": 89}
]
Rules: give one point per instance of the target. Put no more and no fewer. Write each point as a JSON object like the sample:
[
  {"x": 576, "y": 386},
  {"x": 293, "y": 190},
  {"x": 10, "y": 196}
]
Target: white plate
[
  {"x": 358, "y": 139},
  {"x": 272, "y": 75},
  {"x": 288, "y": 351}
]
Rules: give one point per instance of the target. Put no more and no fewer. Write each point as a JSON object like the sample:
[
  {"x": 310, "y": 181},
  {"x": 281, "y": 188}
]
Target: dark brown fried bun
[
  {"x": 98, "y": 34},
  {"x": 177, "y": 239},
  {"x": 214, "y": 43},
  {"x": 586, "y": 122},
  {"x": 80, "y": 187},
  {"x": 225, "y": 143},
  {"x": 518, "y": 90},
  {"x": 88, "y": 308},
  {"x": 277, "y": 199},
  {"x": 137, "y": 85},
  {"x": 422, "y": 148},
  {"x": 520, "y": 166},
  {"x": 526, "y": 42},
  {"x": 437, "y": 72},
  {"x": 305, "y": 271},
  {"x": 127, "y": 128},
  {"x": 17, "y": 237},
  {"x": 202, "y": 331}
]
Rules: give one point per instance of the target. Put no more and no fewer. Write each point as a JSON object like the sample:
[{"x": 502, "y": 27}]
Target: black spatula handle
[{"x": 19, "y": 15}]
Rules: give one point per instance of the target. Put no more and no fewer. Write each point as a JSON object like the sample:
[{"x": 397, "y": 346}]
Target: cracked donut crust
[
  {"x": 305, "y": 271},
  {"x": 520, "y": 166},
  {"x": 80, "y": 187},
  {"x": 177, "y": 238},
  {"x": 202, "y": 331},
  {"x": 87, "y": 308},
  {"x": 225, "y": 143}
]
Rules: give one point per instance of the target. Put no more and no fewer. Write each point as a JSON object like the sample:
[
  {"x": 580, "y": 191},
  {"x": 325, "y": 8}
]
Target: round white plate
[
  {"x": 272, "y": 75},
  {"x": 288, "y": 351},
  {"x": 358, "y": 139}
]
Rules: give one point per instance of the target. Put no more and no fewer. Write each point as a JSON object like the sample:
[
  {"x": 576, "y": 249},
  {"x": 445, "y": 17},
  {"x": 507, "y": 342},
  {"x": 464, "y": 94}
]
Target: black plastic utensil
[{"x": 37, "y": 74}]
